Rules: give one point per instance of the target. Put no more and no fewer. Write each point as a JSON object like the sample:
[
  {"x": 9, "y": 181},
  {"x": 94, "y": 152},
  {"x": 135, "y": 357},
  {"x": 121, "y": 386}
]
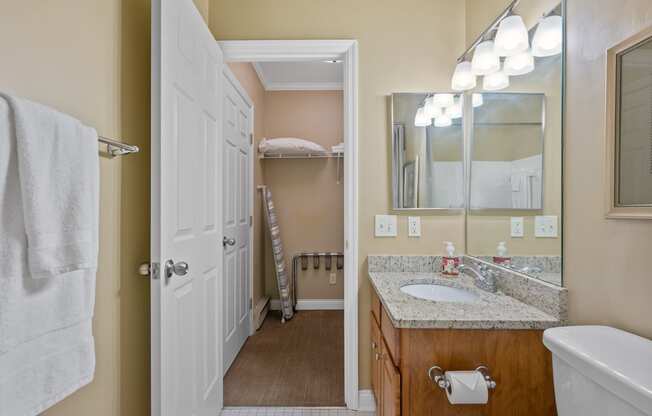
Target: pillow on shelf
[{"x": 290, "y": 146}]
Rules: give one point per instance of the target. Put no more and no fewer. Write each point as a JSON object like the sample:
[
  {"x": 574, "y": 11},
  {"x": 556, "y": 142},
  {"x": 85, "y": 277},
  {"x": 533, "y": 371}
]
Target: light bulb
[
  {"x": 454, "y": 111},
  {"x": 463, "y": 77},
  {"x": 496, "y": 81},
  {"x": 511, "y": 37},
  {"x": 485, "y": 61},
  {"x": 443, "y": 100},
  {"x": 548, "y": 37},
  {"x": 520, "y": 64},
  {"x": 443, "y": 121},
  {"x": 420, "y": 119},
  {"x": 476, "y": 100}
]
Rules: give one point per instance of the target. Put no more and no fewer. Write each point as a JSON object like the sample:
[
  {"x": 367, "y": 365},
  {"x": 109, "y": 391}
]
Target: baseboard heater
[{"x": 312, "y": 304}]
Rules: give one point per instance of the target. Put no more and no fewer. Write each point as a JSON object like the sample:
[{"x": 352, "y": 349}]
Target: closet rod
[{"x": 116, "y": 148}]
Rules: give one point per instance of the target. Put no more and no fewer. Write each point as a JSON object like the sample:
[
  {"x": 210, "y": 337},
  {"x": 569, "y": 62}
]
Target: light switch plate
[
  {"x": 516, "y": 227},
  {"x": 545, "y": 226},
  {"x": 385, "y": 226},
  {"x": 414, "y": 226}
]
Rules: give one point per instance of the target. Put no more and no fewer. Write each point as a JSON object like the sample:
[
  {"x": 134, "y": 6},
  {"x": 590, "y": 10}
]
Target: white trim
[
  {"x": 366, "y": 401},
  {"x": 261, "y": 74},
  {"x": 284, "y": 50},
  {"x": 312, "y": 304},
  {"x": 311, "y": 50},
  {"x": 303, "y": 86}
]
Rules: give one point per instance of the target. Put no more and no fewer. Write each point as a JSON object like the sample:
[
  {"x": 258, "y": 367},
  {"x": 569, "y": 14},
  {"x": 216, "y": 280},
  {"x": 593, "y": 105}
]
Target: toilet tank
[{"x": 600, "y": 370}]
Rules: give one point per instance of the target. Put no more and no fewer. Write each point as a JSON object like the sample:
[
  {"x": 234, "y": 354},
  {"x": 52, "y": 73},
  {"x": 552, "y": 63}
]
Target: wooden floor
[{"x": 299, "y": 363}]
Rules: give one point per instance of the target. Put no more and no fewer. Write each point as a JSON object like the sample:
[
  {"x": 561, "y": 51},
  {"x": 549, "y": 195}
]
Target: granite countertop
[{"x": 490, "y": 311}]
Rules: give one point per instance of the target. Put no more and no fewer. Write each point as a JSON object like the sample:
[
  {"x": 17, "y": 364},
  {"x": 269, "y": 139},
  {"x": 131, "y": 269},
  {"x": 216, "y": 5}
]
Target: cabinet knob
[{"x": 373, "y": 345}]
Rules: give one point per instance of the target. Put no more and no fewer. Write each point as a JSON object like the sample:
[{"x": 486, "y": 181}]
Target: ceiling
[{"x": 285, "y": 76}]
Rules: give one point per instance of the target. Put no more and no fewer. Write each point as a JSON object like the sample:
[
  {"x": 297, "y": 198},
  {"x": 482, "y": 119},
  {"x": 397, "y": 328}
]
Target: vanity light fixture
[
  {"x": 443, "y": 121},
  {"x": 548, "y": 37},
  {"x": 512, "y": 37},
  {"x": 463, "y": 77},
  {"x": 496, "y": 81},
  {"x": 443, "y": 100},
  {"x": 519, "y": 64},
  {"x": 430, "y": 109},
  {"x": 476, "y": 99},
  {"x": 454, "y": 111},
  {"x": 485, "y": 61},
  {"x": 420, "y": 119}
]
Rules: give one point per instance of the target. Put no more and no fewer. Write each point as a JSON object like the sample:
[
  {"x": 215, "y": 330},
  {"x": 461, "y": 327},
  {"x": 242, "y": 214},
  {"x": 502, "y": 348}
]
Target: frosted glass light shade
[
  {"x": 476, "y": 100},
  {"x": 420, "y": 119},
  {"x": 431, "y": 110},
  {"x": 454, "y": 111},
  {"x": 443, "y": 100},
  {"x": 443, "y": 121},
  {"x": 485, "y": 61},
  {"x": 520, "y": 64},
  {"x": 547, "y": 40},
  {"x": 496, "y": 81},
  {"x": 463, "y": 77},
  {"x": 512, "y": 37}
]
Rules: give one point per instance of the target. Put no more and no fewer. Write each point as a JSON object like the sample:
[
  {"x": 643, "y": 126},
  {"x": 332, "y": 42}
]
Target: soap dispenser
[
  {"x": 501, "y": 256},
  {"x": 450, "y": 263}
]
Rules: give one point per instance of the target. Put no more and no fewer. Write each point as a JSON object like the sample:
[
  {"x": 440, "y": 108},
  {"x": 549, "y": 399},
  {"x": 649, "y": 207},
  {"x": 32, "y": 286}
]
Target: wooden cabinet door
[
  {"x": 390, "y": 384},
  {"x": 376, "y": 367}
]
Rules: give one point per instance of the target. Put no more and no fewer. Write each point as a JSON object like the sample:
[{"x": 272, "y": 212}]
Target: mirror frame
[{"x": 613, "y": 209}]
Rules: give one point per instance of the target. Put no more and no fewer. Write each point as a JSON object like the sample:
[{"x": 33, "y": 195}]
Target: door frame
[
  {"x": 251, "y": 189},
  {"x": 310, "y": 50}
]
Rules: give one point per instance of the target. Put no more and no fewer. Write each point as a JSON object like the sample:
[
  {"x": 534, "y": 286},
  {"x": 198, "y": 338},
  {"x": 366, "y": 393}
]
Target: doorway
[{"x": 344, "y": 52}]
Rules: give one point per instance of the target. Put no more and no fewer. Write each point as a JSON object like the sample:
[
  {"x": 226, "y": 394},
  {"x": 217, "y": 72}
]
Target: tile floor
[{"x": 291, "y": 411}]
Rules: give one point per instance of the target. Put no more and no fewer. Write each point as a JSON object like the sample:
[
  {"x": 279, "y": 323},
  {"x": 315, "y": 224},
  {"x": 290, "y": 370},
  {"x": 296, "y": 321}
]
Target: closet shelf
[{"x": 327, "y": 155}]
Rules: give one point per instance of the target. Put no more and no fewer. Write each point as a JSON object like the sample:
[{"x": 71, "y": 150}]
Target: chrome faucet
[{"x": 484, "y": 277}]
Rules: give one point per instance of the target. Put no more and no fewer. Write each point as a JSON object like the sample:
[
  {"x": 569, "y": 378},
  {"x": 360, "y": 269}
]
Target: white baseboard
[
  {"x": 312, "y": 304},
  {"x": 366, "y": 401}
]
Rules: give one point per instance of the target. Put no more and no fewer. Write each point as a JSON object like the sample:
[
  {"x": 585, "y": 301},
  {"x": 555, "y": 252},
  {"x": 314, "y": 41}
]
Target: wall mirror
[
  {"x": 629, "y": 127},
  {"x": 427, "y": 151},
  {"x": 507, "y": 152},
  {"x": 515, "y": 192}
]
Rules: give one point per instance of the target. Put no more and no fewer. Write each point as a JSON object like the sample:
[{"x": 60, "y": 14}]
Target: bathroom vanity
[{"x": 410, "y": 335}]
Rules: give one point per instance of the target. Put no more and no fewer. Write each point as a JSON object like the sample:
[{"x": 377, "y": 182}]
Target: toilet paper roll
[{"x": 466, "y": 387}]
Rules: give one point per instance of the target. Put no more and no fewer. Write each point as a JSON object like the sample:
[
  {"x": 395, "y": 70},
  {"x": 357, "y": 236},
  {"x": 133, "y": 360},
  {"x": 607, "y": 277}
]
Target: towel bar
[{"x": 116, "y": 148}]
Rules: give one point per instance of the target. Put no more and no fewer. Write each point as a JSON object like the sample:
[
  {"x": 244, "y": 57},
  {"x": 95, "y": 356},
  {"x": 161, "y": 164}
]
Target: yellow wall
[
  {"x": 403, "y": 46},
  {"x": 66, "y": 54},
  {"x": 606, "y": 262}
]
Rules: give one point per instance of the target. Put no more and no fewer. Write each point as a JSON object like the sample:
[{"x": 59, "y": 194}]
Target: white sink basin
[{"x": 439, "y": 293}]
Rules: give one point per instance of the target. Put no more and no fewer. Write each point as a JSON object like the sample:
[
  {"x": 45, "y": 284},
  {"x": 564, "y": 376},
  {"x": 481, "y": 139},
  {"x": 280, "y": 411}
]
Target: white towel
[
  {"x": 58, "y": 177},
  {"x": 46, "y": 342}
]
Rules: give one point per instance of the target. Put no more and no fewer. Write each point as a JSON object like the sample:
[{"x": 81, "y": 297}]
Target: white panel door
[
  {"x": 237, "y": 115},
  {"x": 186, "y": 228}
]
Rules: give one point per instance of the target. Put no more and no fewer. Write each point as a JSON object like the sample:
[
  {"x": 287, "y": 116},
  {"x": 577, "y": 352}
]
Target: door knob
[
  {"x": 180, "y": 268},
  {"x": 228, "y": 241}
]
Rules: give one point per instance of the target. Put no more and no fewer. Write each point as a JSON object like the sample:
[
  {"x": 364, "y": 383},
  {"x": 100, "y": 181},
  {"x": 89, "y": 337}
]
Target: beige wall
[
  {"x": 606, "y": 262},
  {"x": 392, "y": 58},
  {"x": 248, "y": 78},
  {"x": 307, "y": 197},
  {"x": 47, "y": 59}
]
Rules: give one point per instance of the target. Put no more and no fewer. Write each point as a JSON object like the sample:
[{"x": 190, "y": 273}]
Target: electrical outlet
[
  {"x": 414, "y": 226},
  {"x": 517, "y": 228},
  {"x": 385, "y": 226},
  {"x": 333, "y": 279},
  {"x": 545, "y": 226}
]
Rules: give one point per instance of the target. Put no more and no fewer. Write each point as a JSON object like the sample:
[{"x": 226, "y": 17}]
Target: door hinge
[
  {"x": 251, "y": 220},
  {"x": 251, "y": 303},
  {"x": 251, "y": 138}
]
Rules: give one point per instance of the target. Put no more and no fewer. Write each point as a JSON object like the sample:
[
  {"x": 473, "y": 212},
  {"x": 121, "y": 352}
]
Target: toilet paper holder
[{"x": 436, "y": 374}]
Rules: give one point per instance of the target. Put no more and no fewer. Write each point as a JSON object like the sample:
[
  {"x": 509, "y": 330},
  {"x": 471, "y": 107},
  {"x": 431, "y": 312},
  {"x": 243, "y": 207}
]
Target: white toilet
[{"x": 600, "y": 370}]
